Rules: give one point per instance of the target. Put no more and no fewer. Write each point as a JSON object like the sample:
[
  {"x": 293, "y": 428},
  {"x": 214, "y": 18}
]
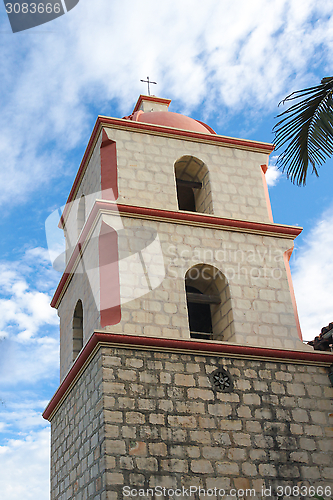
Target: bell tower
[{"x": 181, "y": 356}]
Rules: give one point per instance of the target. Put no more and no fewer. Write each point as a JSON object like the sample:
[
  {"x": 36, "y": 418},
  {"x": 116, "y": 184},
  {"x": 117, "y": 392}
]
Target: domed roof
[
  {"x": 175, "y": 120},
  {"x": 154, "y": 110}
]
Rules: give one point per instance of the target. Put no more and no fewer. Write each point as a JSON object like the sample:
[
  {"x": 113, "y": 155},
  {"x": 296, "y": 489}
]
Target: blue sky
[{"x": 228, "y": 64}]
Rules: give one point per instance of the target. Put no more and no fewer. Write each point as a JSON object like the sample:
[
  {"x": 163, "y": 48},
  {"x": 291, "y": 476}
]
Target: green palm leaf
[{"x": 305, "y": 131}]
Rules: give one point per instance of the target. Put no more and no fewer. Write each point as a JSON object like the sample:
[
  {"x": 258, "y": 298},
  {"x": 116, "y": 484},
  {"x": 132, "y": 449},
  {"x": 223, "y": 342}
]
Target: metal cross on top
[{"x": 148, "y": 81}]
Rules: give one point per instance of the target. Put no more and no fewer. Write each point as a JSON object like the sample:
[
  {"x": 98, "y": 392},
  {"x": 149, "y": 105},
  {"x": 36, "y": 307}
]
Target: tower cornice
[
  {"x": 151, "y": 98},
  {"x": 167, "y": 216},
  {"x": 188, "y": 346}
]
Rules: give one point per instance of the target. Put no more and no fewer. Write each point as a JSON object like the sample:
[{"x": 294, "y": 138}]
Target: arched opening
[
  {"x": 193, "y": 186},
  {"x": 77, "y": 329},
  {"x": 81, "y": 215},
  {"x": 208, "y": 303},
  {"x": 199, "y": 315}
]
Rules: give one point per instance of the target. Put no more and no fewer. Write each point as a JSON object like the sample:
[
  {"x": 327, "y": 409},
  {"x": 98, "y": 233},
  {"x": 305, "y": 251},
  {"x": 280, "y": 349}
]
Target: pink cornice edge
[
  {"x": 71, "y": 195},
  {"x": 151, "y": 98},
  {"x": 264, "y": 169},
  {"x": 288, "y": 231},
  {"x": 188, "y": 133},
  {"x": 184, "y": 345},
  {"x": 104, "y": 120},
  {"x": 209, "y": 219},
  {"x": 286, "y": 258},
  {"x": 207, "y": 127}
]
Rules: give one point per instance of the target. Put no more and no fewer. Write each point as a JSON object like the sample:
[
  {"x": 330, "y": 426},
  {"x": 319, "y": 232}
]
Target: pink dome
[{"x": 175, "y": 120}]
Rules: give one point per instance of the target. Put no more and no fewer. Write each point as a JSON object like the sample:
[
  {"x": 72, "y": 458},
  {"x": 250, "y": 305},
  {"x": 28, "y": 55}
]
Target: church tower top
[
  {"x": 148, "y": 103},
  {"x": 154, "y": 110}
]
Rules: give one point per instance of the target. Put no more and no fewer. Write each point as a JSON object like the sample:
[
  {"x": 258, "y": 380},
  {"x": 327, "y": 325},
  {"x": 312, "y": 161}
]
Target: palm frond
[{"x": 305, "y": 131}]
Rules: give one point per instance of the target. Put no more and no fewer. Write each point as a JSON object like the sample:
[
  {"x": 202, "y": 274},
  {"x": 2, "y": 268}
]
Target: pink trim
[
  {"x": 77, "y": 179},
  {"x": 135, "y": 116},
  {"x": 76, "y": 252},
  {"x": 150, "y": 98},
  {"x": 184, "y": 345},
  {"x": 109, "y": 181},
  {"x": 209, "y": 220},
  {"x": 286, "y": 258},
  {"x": 207, "y": 127},
  {"x": 288, "y": 231},
  {"x": 109, "y": 276},
  {"x": 76, "y": 367},
  {"x": 268, "y": 201}
]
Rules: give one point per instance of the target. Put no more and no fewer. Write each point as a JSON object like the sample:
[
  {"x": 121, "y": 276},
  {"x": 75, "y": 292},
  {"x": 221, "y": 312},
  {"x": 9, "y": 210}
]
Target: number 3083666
[
  {"x": 33, "y": 8},
  {"x": 306, "y": 491}
]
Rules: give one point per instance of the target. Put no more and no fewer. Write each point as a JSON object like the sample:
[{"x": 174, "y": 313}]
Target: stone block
[
  {"x": 147, "y": 463},
  {"x": 138, "y": 448},
  {"x": 174, "y": 465},
  {"x": 114, "y": 478},
  {"x": 115, "y": 447},
  {"x": 159, "y": 449},
  {"x": 133, "y": 417},
  {"x": 251, "y": 399},
  {"x": 182, "y": 421},
  {"x": 201, "y": 467},
  {"x": 213, "y": 452},
  {"x": 227, "y": 468},
  {"x": 300, "y": 415},
  {"x": 184, "y": 380}
]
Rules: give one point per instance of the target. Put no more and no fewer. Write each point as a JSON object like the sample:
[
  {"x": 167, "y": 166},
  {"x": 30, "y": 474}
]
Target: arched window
[
  {"x": 193, "y": 186},
  {"x": 208, "y": 303},
  {"x": 199, "y": 315},
  {"x": 77, "y": 329},
  {"x": 81, "y": 215}
]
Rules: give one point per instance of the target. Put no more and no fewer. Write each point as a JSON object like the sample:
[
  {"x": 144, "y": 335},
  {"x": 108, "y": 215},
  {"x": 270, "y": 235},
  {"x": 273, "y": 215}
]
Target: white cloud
[
  {"x": 26, "y": 363},
  {"x": 23, "y": 309},
  {"x": 219, "y": 54},
  {"x": 37, "y": 253},
  {"x": 28, "y": 324},
  {"x": 23, "y": 415},
  {"x": 312, "y": 271},
  {"x": 29, "y": 357},
  {"x": 24, "y": 465},
  {"x": 273, "y": 175}
]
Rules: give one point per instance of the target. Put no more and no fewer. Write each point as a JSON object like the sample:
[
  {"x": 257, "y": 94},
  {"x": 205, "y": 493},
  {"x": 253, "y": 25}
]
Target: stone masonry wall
[
  {"x": 144, "y": 419},
  {"x": 167, "y": 427},
  {"x": 77, "y": 463}
]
